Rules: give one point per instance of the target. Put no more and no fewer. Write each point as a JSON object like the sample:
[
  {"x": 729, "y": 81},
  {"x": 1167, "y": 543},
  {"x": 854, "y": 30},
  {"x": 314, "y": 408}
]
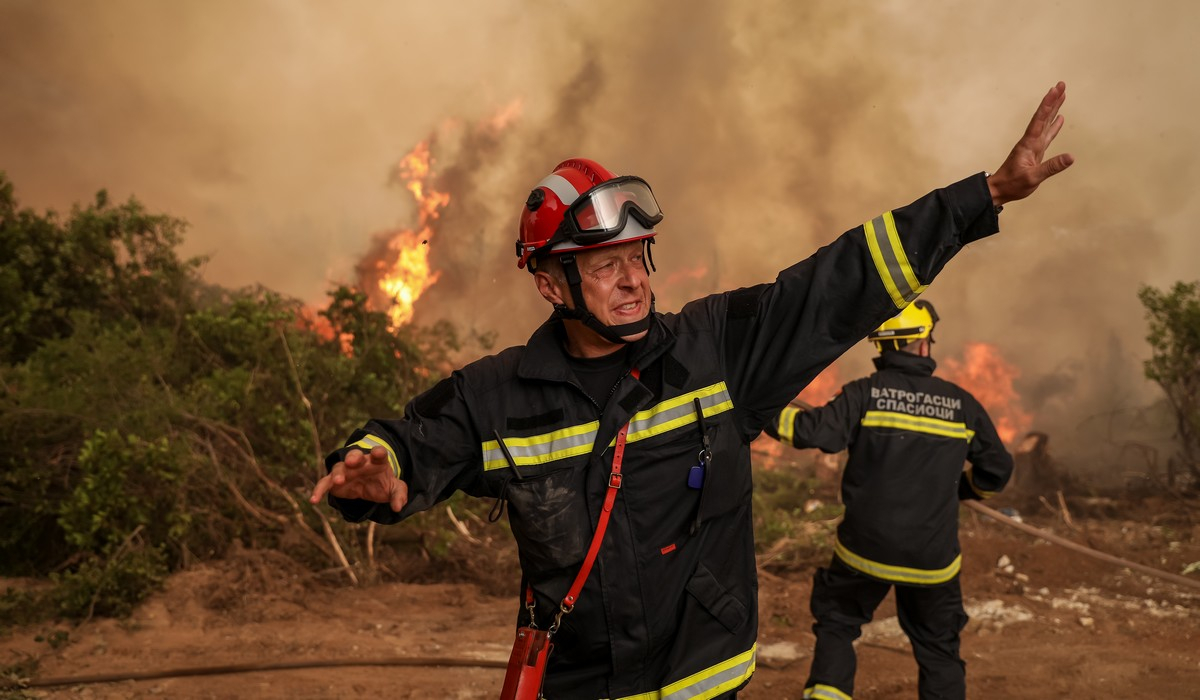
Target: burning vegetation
[
  {"x": 989, "y": 378},
  {"x": 396, "y": 271}
]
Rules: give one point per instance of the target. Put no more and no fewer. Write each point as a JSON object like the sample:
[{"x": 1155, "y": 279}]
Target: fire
[
  {"x": 770, "y": 453},
  {"x": 989, "y": 378},
  {"x": 307, "y": 319},
  {"x": 397, "y": 271},
  {"x": 821, "y": 390}
]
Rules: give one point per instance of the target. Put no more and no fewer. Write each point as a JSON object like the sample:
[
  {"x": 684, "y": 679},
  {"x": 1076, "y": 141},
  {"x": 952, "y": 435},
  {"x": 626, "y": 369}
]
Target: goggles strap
[{"x": 613, "y": 334}]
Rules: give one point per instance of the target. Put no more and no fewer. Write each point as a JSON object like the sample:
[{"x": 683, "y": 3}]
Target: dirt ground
[{"x": 1045, "y": 623}]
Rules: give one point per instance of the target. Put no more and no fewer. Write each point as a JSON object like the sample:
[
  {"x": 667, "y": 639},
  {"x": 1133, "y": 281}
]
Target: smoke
[{"x": 766, "y": 129}]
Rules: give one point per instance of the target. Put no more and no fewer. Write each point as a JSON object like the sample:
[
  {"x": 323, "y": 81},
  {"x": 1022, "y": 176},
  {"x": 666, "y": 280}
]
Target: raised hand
[
  {"x": 363, "y": 476},
  {"x": 1026, "y": 167}
]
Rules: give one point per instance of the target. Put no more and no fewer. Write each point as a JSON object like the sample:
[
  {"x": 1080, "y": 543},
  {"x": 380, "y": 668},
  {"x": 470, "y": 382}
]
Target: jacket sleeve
[
  {"x": 779, "y": 336},
  {"x": 830, "y": 428},
  {"x": 433, "y": 448},
  {"x": 991, "y": 464}
]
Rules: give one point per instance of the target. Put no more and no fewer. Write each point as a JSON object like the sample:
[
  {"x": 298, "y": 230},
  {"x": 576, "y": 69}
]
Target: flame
[
  {"x": 989, "y": 378},
  {"x": 400, "y": 266},
  {"x": 307, "y": 319},
  {"x": 768, "y": 453},
  {"x": 396, "y": 272},
  {"x": 823, "y": 388}
]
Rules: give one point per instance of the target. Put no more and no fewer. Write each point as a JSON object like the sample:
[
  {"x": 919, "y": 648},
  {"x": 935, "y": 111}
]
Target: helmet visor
[{"x": 601, "y": 213}]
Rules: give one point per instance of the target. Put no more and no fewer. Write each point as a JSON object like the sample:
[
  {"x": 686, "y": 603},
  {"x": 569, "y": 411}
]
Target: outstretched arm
[
  {"x": 830, "y": 428},
  {"x": 1026, "y": 167}
]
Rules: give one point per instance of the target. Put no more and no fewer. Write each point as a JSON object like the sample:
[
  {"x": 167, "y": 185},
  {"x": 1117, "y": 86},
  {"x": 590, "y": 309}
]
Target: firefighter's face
[{"x": 616, "y": 285}]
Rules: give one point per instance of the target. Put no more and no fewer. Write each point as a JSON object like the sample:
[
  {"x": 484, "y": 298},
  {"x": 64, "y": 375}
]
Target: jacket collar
[
  {"x": 545, "y": 354},
  {"x": 906, "y": 363}
]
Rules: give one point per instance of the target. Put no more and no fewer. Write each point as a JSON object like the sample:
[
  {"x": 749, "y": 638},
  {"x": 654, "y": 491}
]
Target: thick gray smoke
[{"x": 766, "y": 129}]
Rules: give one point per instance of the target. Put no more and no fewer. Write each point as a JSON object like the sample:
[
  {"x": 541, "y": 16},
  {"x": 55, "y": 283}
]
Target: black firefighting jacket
[
  {"x": 909, "y": 435},
  {"x": 670, "y": 606}
]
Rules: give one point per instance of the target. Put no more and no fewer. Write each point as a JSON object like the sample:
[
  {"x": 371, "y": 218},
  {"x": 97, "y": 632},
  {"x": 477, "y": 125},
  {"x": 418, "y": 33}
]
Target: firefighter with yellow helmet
[
  {"x": 914, "y": 322},
  {"x": 909, "y": 434}
]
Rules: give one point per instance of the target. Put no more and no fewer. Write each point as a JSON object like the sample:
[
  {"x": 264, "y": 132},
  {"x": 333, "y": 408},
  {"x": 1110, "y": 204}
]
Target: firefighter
[
  {"x": 669, "y": 607},
  {"x": 909, "y": 435}
]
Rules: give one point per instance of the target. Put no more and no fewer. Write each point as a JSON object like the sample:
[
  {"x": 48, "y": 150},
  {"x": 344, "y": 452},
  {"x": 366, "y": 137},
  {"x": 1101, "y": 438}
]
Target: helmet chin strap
[{"x": 613, "y": 334}]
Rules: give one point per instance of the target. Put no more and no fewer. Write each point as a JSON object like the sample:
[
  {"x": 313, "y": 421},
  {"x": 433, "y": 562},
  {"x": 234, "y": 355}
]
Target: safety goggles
[{"x": 601, "y": 213}]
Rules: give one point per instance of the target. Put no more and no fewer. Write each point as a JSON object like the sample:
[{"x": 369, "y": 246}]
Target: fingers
[
  {"x": 1055, "y": 165},
  {"x": 399, "y": 496},
  {"x": 1052, "y": 132},
  {"x": 321, "y": 489},
  {"x": 1047, "y": 111},
  {"x": 379, "y": 455},
  {"x": 366, "y": 475},
  {"x": 354, "y": 459}
]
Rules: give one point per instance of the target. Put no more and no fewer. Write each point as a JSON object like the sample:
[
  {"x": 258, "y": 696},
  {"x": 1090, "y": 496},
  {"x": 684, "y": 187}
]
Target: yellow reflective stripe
[
  {"x": 579, "y": 439},
  {"x": 678, "y": 412},
  {"x": 881, "y": 266},
  {"x": 898, "y": 574},
  {"x": 369, "y": 441},
  {"x": 787, "y": 424},
  {"x": 970, "y": 477},
  {"x": 901, "y": 257},
  {"x": 891, "y": 262},
  {"x": 541, "y": 449},
  {"x": 709, "y": 683},
  {"x": 919, "y": 424},
  {"x": 820, "y": 691}
]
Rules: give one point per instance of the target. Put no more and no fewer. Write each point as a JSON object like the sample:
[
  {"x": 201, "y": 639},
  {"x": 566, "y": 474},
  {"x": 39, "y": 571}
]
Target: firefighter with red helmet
[
  {"x": 618, "y": 436},
  {"x": 909, "y": 434}
]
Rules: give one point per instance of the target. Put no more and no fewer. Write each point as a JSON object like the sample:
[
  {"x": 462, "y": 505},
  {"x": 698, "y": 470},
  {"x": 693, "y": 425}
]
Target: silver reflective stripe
[
  {"x": 709, "y": 683},
  {"x": 821, "y": 691},
  {"x": 559, "y": 186},
  {"x": 541, "y": 449},
  {"x": 679, "y": 411},
  {"x": 668, "y": 415},
  {"x": 888, "y": 253},
  {"x": 891, "y": 262}
]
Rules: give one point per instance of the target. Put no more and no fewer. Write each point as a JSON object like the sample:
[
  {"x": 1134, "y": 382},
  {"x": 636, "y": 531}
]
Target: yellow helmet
[{"x": 914, "y": 322}]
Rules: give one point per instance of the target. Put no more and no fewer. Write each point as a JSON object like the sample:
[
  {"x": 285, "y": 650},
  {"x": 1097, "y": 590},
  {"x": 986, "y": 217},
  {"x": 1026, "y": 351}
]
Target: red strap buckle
[{"x": 614, "y": 480}]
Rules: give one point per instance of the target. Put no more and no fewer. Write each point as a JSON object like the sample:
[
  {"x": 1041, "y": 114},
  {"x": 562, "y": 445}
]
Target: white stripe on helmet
[{"x": 560, "y": 187}]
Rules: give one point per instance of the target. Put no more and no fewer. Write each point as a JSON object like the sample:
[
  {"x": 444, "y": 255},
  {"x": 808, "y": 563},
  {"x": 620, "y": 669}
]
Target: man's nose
[{"x": 631, "y": 274}]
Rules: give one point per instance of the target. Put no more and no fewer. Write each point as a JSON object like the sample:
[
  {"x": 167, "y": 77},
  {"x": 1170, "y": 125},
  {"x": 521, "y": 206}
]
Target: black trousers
[{"x": 843, "y": 600}]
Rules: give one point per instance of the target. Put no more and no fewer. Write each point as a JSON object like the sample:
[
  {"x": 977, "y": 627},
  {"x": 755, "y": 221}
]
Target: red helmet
[{"x": 583, "y": 205}]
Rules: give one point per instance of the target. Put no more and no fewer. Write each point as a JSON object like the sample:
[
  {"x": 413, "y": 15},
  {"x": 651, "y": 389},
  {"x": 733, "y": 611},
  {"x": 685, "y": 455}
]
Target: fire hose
[
  {"x": 249, "y": 668},
  {"x": 1068, "y": 544}
]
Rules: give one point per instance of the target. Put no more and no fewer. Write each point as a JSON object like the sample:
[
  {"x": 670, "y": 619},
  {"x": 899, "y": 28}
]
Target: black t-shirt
[{"x": 599, "y": 375}]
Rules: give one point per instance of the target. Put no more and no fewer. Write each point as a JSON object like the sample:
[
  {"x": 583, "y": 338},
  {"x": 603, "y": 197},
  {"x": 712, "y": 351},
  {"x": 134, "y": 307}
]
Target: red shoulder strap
[{"x": 610, "y": 496}]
